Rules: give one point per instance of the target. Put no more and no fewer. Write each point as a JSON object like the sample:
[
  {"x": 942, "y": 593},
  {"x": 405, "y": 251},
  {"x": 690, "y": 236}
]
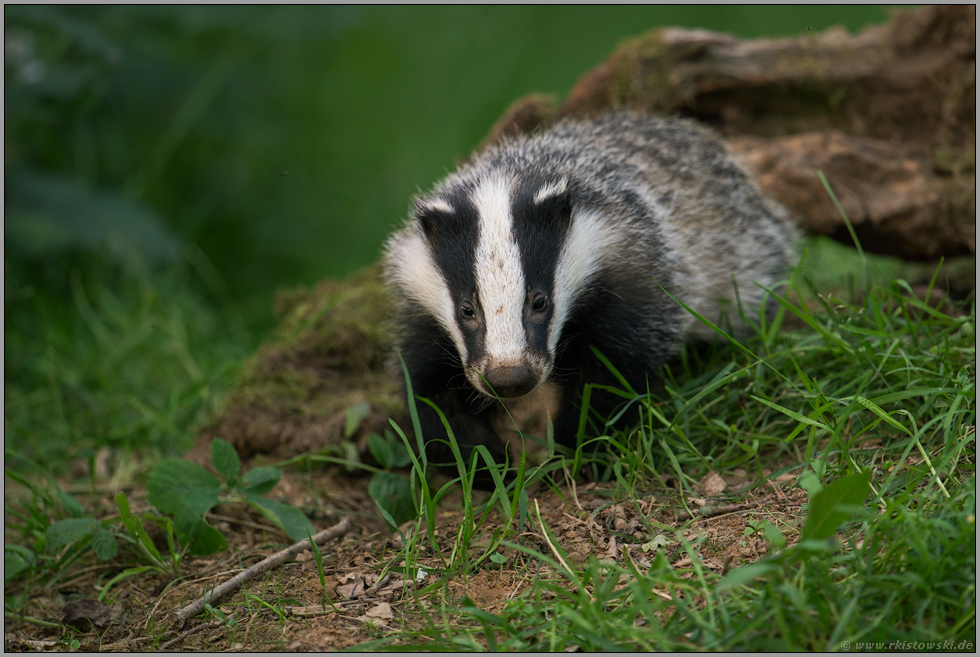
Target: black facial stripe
[
  {"x": 540, "y": 230},
  {"x": 453, "y": 238}
]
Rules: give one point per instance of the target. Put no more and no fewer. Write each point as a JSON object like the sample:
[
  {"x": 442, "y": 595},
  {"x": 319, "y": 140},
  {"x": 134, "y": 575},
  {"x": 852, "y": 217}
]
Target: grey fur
[{"x": 670, "y": 208}]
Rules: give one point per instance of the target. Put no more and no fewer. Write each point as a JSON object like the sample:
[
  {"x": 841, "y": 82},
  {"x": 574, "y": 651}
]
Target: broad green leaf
[
  {"x": 381, "y": 450},
  {"x": 186, "y": 526},
  {"x": 259, "y": 481},
  {"x": 290, "y": 520},
  {"x": 393, "y": 494},
  {"x": 194, "y": 532},
  {"x": 400, "y": 456},
  {"x": 209, "y": 540},
  {"x": 104, "y": 544},
  {"x": 72, "y": 505},
  {"x": 225, "y": 459},
  {"x": 834, "y": 504},
  {"x": 773, "y": 536},
  {"x": 353, "y": 417},
  {"x": 387, "y": 516},
  {"x": 68, "y": 531},
  {"x": 177, "y": 484},
  {"x": 389, "y": 451},
  {"x": 810, "y": 482},
  {"x": 16, "y": 559}
]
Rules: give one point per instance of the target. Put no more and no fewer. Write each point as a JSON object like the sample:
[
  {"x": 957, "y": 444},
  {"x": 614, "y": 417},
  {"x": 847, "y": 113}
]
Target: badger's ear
[
  {"x": 432, "y": 215},
  {"x": 552, "y": 203},
  {"x": 438, "y": 217}
]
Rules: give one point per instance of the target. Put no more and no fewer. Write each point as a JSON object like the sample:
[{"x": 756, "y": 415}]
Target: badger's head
[{"x": 499, "y": 261}]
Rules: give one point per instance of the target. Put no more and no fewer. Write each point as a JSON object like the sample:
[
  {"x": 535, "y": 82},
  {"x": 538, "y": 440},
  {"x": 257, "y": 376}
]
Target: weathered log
[{"x": 888, "y": 115}]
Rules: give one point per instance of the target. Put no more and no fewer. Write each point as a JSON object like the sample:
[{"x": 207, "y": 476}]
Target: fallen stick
[
  {"x": 194, "y": 630},
  {"x": 711, "y": 511},
  {"x": 268, "y": 563},
  {"x": 374, "y": 588},
  {"x": 318, "y": 610},
  {"x": 554, "y": 550}
]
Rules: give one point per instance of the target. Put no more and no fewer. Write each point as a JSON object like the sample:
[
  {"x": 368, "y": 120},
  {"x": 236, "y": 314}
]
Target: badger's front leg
[
  {"x": 437, "y": 375},
  {"x": 637, "y": 361}
]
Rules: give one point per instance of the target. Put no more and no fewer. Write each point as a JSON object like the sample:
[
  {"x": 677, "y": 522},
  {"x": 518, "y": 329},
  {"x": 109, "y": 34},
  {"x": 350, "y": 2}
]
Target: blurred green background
[{"x": 168, "y": 168}]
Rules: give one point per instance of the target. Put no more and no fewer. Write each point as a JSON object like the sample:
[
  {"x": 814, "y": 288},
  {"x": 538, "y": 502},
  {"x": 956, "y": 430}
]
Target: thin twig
[
  {"x": 374, "y": 588},
  {"x": 214, "y": 622},
  {"x": 247, "y": 523},
  {"x": 268, "y": 563},
  {"x": 248, "y": 627},
  {"x": 554, "y": 550},
  {"x": 710, "y": 511},
  {"x": 318, "y": 610},
  {"x": 571, "y": 481}
]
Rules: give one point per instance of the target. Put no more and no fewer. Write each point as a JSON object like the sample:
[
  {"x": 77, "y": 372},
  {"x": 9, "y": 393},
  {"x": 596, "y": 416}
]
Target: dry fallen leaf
[
  {"x": 353, "y": 586},
  {"x": 381, "y": 610},
  {"x": 713, "y": 484},
  {"x": 619, "y": 518},
  {"x": 613, "y": 551}
]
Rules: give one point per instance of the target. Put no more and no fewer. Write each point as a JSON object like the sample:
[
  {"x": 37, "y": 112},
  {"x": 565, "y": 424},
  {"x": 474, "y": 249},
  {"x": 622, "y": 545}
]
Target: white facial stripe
[
  {"x": 587, "y": 244},
  {"x": 416, "y": 273},
  {"x": 551, "y": 189},
  {"x": 499, "y": 273}
]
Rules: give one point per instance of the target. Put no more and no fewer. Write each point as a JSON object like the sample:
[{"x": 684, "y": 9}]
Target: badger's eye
[
  {"x": 540, "y": 304},
  {"x": 466, "y": 311}
]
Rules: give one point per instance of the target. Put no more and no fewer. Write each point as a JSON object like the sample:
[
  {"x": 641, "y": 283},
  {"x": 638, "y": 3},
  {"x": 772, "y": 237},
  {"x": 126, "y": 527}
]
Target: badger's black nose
[{"x": 511, "y": 381}]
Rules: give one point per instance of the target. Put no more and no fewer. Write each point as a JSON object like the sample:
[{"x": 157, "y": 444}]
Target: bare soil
[{"x": 289, "y": 609}]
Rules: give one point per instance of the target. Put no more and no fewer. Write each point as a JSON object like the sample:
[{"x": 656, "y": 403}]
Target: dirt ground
[{"x": 287, "y": 608}]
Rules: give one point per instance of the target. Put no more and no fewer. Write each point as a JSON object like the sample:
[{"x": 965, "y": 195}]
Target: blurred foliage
[
  {"x": 166, "y": 168},
  {"x": 132, "y": 359},
  {"x": 286, "y": 141}
]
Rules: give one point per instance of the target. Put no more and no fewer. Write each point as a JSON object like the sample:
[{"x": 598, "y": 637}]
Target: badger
[{"x": 545, "y": 249}]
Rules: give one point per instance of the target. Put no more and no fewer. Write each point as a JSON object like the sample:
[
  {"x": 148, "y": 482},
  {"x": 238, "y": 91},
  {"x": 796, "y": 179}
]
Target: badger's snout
[{"x": 511, "y": 381}]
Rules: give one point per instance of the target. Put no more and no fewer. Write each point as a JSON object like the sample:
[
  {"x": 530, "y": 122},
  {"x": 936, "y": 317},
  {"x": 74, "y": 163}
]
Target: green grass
[
  {"x": 119, "y": 355},
  {"x": 885, "y": 386}
]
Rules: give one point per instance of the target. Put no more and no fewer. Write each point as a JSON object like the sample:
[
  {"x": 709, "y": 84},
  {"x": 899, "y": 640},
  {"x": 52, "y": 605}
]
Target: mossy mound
[{"x": 323, "y": 378}]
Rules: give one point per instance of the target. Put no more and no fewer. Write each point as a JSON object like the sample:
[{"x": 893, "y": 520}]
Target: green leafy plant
[
  {"x": 60, "y": 541},
  {"x": 187, "y": 491},
  {"x": 391, "y": 491},
  {"x": 57, "y": 529}
]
